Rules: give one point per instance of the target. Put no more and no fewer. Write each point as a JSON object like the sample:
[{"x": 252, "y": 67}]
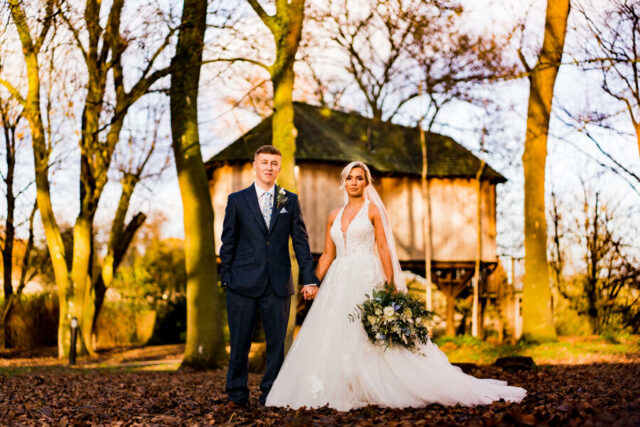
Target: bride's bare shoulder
[
  {"x": 332, "y": 215},
  {"x": 373, "y": 211}
]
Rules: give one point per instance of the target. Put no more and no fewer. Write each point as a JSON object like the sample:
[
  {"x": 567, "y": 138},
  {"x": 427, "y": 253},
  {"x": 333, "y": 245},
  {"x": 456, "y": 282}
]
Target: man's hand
[{"x": 309, "y": 291}]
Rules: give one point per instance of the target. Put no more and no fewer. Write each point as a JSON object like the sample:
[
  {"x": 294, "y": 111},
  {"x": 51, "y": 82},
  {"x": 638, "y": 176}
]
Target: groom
[{"x": 256, "y": 270}]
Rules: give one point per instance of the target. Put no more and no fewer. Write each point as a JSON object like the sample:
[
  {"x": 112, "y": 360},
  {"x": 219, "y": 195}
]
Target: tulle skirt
[{"x": 332, "y": 362}]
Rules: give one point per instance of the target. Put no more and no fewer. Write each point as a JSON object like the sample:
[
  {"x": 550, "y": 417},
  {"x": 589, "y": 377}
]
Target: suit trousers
[{"x": 242, "y": 314}]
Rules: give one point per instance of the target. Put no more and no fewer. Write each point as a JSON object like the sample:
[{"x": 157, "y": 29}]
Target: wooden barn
[{"x": 327, "y": 140}]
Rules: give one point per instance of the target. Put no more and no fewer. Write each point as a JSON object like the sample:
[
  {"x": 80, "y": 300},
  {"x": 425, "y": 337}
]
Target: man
[{"x": 256, "y": 270}]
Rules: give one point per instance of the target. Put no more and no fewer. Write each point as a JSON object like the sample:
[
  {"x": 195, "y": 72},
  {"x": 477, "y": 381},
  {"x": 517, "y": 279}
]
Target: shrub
[
  {"x": 33, "y": 322},
  {"x": 569, "y": 323},
  {"x": 123, "y": 323}
]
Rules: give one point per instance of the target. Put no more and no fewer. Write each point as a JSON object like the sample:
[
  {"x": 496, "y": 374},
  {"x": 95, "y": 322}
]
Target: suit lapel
[
  {"x": 274, "y": 211},
  {"x": 252, "y": 200}
]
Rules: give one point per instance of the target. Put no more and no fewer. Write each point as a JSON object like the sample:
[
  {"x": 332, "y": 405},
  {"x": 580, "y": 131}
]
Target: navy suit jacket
[{"x": 252, "y": 255}]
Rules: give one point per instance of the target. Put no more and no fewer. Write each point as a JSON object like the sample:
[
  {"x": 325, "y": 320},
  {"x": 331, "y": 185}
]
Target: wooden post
[
  {"x": 476, "y": 276},
  {"x": 451, "y": 286},
  {"x": 426, "y": 221},
  {"x": 450, "y": 328},
  {"x": 501, "y": 306}
]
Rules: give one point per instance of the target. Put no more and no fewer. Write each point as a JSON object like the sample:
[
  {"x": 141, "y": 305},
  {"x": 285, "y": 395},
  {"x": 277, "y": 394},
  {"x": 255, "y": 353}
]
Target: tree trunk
[
  {"x": 286, "y": 28},
  {"x": 205, "y": 347},
  {"x": 537, "y": 308},
  {"x": 284, "y": 131},
  {"x": 103, "y": 59},
  {"x": 426, "y": 220},
  {"x": 81, "y": 265},
  {"x": 55, "y": 244},
  {"x": 120, "y": 238},
  {"x": 117, "y": 249},
  {"x": 4, "y": 315},
  {"x": 41, "y": 153},
  {"x": 594, "y": 254},
  {"x": 9, "y": 228},
  {"x": 284, "y": 138}
]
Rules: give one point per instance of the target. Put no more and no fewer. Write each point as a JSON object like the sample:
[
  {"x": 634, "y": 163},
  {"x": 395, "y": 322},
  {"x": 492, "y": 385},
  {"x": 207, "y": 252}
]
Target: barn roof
[{"x": 331, "y": 136}]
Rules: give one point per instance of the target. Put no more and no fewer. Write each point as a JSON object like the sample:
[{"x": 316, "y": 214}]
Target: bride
[{"x": 332, "y": 362}]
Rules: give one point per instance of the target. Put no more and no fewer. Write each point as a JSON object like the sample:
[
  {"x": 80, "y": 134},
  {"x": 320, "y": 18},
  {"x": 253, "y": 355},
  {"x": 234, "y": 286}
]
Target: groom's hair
[{"x": 267, "y": 149}]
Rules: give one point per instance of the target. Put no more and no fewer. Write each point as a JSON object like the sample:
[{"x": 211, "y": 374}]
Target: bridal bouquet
[{"x": 391, "y": 318}]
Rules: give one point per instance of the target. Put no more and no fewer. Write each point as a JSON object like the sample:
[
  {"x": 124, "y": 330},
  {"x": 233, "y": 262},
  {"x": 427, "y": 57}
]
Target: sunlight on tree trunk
[
  {"x": 536, "y": 301},
  {"x": 83, "y": 304},
  {"x": 284, "y": 138},
  {"x": 205, "y": 347},
  {"x": 41, "y": 154},
  {"x": 286, "y": 28}
]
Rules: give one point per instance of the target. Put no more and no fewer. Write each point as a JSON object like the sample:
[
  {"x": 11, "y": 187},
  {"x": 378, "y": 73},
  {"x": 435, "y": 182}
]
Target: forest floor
[{"x": 576, "y": 381}]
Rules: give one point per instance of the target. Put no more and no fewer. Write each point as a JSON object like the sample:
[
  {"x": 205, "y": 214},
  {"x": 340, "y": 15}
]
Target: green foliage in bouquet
[{"x": 391, "y": 318}]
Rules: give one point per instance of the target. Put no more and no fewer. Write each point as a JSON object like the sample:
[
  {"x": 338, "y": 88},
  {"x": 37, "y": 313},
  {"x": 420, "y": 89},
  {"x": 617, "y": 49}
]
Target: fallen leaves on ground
[{"x": 596, "y": 394}]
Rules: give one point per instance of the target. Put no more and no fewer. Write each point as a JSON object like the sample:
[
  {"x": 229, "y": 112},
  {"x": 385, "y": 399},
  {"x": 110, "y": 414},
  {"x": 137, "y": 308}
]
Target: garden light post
[{"x": 74, "y": 335}]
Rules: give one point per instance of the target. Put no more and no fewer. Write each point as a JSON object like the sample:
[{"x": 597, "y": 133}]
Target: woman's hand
[{"x": 309, "y": 292}]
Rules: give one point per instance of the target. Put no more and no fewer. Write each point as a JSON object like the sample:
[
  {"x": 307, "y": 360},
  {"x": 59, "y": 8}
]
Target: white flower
[
  {"x": 282, "y": 197},
  {"x": 372, "y": 319},
  {"x": 389, "y": 311}
]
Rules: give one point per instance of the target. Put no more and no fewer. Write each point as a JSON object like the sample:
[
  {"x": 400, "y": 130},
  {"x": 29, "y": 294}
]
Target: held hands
[{"x": 309, "y": 292}]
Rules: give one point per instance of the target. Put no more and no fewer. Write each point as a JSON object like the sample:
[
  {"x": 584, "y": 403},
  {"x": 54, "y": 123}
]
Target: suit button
[
  {"x": 268, "y": 259},
  {"x": 268, "y": 243}
]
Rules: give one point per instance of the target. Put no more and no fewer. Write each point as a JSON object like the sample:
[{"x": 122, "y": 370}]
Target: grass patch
[
  {"x": 39, "y": 370},
  {"x": 466, "y": 349},
  {"x": 84, "y": 369}
]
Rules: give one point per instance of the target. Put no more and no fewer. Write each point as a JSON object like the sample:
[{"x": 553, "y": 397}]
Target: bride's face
[{"x": 356, "y": 182}]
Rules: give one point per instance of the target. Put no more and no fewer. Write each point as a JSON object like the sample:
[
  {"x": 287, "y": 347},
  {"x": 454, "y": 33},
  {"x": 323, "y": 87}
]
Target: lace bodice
[{"x": 359, "y": 237}]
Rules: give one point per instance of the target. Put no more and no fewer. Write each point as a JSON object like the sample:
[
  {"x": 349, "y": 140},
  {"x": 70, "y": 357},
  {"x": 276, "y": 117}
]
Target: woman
[{"x": 332, "y": 362}]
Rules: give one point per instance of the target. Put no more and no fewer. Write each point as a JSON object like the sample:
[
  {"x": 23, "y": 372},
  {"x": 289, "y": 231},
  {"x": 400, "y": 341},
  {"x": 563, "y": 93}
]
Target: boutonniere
[{"x": 282, "y": 198}]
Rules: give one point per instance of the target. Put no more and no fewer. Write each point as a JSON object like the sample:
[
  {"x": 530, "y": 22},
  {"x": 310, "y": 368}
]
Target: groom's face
[{"x": 267, "y": 167}]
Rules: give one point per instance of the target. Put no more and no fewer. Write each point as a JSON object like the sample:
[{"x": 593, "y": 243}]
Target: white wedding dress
[{"x": 332, "y": 362}]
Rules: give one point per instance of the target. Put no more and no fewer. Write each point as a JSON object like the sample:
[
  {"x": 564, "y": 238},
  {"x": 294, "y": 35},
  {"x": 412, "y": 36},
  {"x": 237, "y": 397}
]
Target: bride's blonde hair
[{"x": 347, "y": 170}]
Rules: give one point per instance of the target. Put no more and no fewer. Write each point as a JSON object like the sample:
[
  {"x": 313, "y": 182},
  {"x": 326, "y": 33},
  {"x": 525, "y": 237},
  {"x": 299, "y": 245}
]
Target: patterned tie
[{"x": 267, "y": 206}]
